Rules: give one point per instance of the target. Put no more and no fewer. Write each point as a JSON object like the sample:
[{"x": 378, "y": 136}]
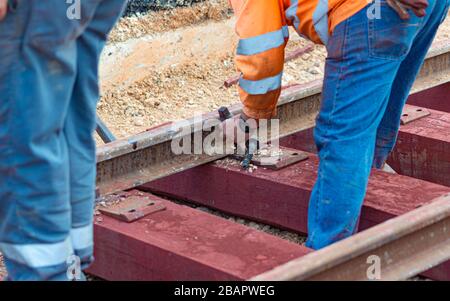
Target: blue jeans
[
  {"x": 370, "y": 69},
  {"x": 48, "y": 96}
]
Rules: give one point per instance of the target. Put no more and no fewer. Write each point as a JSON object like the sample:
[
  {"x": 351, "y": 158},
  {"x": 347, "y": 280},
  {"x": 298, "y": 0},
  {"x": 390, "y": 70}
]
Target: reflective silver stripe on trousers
[
  {"x": 320, "y": 20},
  {"x": 83, "y": 237},
  {"x": 38, "y": 255}
]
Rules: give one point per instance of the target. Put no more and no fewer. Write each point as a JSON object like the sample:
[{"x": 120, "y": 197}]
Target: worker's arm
[
  {"x": 3, "y": 8},
  {"x": 260, "y": 54}
]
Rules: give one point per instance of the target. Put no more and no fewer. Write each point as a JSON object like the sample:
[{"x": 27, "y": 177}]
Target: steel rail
[
  {"x": 147, "y": 156},
  {"x": 400, "y": 248}
]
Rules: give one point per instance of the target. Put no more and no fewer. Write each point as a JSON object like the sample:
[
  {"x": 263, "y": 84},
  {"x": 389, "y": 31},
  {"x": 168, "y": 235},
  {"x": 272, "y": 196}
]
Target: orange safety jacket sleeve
[{"x": 263, "y": 34}]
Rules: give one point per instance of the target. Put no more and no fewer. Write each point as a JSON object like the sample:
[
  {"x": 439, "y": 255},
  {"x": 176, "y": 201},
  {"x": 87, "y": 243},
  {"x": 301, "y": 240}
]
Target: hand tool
[
  {"x": 251, "y": 146},
  {"x": 102, "y": 130},
  {"x": 224, "y": 114}
]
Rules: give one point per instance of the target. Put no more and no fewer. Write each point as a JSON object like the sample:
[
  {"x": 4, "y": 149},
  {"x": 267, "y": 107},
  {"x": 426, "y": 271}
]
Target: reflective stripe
[
  {"x": 320, "y": 20},
  {"x": 38, "y": 255},
  {"x": 261, "y": 86},
  {"x": 261, "y": 43},
  {"x": 285, "y": 31},
  {"x": 291, "y": 14},
  {"x": 83, "y": 237}
]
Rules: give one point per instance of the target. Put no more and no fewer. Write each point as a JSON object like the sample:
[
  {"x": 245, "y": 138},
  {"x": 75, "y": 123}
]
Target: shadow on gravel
[{"x": 142, "y": 6}]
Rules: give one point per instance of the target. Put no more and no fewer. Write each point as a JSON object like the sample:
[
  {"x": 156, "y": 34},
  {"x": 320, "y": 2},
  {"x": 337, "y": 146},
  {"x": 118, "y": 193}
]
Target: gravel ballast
[{"x": 143, "y": 6}]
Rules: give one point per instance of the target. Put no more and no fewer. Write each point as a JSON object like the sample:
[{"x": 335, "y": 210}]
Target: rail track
[{"x": 404, "y": 222}]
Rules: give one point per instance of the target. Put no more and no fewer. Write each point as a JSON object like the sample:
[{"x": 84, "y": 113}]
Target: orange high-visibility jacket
[{"x": 262, "y": 27}]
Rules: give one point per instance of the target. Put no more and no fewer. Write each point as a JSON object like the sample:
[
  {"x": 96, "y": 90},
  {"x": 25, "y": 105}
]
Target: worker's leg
[
  {"x": 35, "y": 85},
  {"x": 410, "y": 67},
  {"x": 37, "y": 76},
  {"x": 364, "y": 56},
  {"x": 80, "y": 126}
]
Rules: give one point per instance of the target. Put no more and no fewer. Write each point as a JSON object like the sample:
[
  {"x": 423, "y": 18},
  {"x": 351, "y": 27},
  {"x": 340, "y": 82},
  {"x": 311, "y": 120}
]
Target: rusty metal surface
[
  {"x": 284, "y": 157},
  {"x": 133, "y": 208},
  {"x": 127, "y": 163},
  {"x": 411, "y": 114},
  {"x": 401, "y": 247},
  {"x": 437, "y": 60}
]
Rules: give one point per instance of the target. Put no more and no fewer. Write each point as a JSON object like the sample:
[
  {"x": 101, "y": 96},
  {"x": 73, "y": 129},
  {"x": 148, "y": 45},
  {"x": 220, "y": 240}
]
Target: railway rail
[
  {"x": 147, "y": 156},
  {"x": 404, "y": 222}
]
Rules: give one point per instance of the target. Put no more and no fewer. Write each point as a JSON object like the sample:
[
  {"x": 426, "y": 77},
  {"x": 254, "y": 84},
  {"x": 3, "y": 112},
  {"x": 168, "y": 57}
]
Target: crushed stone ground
[
  {"x": 173, "y": 72},
  {"x": 136, "y": 7},
  {"x": 139, "y": 25}
]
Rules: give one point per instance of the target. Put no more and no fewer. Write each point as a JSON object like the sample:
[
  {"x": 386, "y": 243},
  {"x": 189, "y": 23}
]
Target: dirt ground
[
  {"x": 170, "y": 65},
  {"x": 154, "y": 74}
]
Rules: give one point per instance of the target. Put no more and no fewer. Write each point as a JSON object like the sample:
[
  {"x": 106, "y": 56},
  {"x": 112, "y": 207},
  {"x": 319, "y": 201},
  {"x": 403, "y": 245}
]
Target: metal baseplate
[
  {"x": 411, "y": 114},
  {"x": 132, "y": 208},
  {"x": 276, "y": 158}
]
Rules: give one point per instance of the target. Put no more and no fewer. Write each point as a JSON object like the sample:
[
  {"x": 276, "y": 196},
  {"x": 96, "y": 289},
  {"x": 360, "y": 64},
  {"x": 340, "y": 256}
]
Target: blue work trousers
[
  {"x": 49, "y": 53},
  {"x": 373, "y": 60}
]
